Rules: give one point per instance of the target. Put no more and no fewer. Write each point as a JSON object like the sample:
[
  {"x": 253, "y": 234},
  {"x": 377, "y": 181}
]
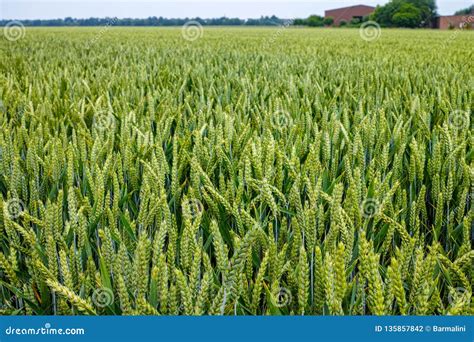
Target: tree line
[{"x": 152, "y": 21}]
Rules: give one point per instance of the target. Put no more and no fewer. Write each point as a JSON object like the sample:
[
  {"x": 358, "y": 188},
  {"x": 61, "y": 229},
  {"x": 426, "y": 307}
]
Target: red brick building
[
  {"x": 447, "y": 22},
  {"x": 348, "y": 13}
]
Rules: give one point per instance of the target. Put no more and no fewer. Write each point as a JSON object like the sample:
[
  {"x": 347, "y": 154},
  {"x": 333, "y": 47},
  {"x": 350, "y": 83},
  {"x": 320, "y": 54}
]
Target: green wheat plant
[{"x": 314, "y": 175}]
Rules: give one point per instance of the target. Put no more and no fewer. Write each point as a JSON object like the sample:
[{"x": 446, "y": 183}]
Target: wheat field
[{"x": 248, "y": 171}]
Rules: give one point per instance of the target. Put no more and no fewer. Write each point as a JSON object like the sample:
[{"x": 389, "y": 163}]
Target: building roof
[{"x": 343, "y": 8}]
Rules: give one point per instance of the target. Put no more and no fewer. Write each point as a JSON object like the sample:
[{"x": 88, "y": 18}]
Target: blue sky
[{"x": 46, "y": 9}]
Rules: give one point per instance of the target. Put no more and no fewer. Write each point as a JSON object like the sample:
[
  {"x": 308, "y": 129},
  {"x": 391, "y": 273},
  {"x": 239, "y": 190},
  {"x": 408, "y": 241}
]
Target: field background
[{"x": 249, "y": 171}]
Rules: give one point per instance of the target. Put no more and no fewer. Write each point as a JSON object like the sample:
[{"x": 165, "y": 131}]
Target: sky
[{"x": 51, "y": 9}]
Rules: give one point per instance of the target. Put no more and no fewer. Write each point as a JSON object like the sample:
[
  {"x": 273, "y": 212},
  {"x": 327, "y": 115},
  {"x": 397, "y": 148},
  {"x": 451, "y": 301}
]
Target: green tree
[
  {"x": 299, "y": 22},
  {"x": 465, "y": 11},
  {"x": 407, "y": 16},
  {"x": 427, "y": 10},
  {"x": 328, "y": 21},
  {"x": 406, "y": 13},
  {"x": 315, "y": 21},
  {"x": 383, "y": 14},
  {"x": 355, "y": 22}
]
